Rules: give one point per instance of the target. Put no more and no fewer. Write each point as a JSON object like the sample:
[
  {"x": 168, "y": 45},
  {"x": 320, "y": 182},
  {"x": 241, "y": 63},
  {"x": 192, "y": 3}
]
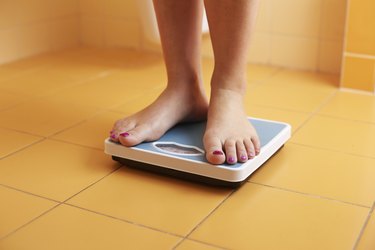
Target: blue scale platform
[{"x": 180, "y": 153}]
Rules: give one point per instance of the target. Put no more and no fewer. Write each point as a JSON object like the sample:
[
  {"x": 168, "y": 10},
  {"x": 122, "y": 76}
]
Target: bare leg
[
  {"x": 183, "y": 99},
  {"x": 229, "y": 136}
]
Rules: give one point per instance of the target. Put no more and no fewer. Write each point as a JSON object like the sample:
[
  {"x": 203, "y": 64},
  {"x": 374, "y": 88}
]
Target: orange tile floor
[{"x": 58, "y": 190}]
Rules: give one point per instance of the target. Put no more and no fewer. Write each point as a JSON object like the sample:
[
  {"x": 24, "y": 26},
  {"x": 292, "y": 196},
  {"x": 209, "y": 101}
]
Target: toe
[
  {"x": 249, "y": 148},
  {"x": 134, "y": 136},
  {"x": 256, "y": 142},
  {"x": 242, "y": 155},
  {"x": 119, "y": 127},
  {"x": 230, "y": 151},
  {"x": 213, "y": 148}
]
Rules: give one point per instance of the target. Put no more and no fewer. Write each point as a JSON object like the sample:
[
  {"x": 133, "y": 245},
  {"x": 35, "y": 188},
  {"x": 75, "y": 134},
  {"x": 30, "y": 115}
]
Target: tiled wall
[
  {"x": 301, "y": 34},
  {"x": 358, "y": 70},
  {"x": 32, "y": 27},
  {"x": 110, "y": 23}
]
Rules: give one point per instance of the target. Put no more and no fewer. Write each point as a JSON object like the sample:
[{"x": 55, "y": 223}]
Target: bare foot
[
  {"x": 229, "y": 137},
  {"x": 174, "y": 105}
]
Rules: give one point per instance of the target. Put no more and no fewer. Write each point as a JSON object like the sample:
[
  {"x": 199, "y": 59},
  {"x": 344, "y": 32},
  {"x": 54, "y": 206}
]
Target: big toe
[
  {"x": 214, "y": 150},
  {"x": 134, "y": 136}
]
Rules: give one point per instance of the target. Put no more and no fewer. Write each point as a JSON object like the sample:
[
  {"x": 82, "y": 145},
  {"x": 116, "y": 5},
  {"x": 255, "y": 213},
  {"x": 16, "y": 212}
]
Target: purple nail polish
[
  {"x": 243, "y": 157},
  {"x": 218, "y": 152},
  {"x": 126, "y": 134},
  {"x": 113, "y": 136},
  {"x": 231, "y": 159}
]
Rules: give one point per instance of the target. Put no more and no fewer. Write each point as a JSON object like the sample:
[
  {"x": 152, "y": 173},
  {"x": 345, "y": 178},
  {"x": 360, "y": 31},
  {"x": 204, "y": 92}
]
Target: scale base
[
  {"x": 180, "y": 174},
  {"x": 180, "y": 153}
]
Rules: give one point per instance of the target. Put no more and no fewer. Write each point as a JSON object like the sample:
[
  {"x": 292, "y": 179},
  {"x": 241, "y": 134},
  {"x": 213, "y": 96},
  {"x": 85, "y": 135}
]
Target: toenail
[
  {"x": 231, "y": 159},
  {"x": 126, "y": 134},
  {"x": 218, "y": 152},
  {"x": 113, "y": 136},
  {"x": 243, "y": 157},
  {"x": 252, "y": 154}
]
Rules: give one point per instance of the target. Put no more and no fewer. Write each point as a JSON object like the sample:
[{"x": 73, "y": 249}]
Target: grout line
[
  {"x": 370, "y": 213},
  {"x": 92, "y": 184},
  {"x": 347, "y": 119},
  {"x": 57, "y": 205},
  {"x": 23, "y": 148},
  {"x": 29, "y": 193},
  {"x": 309, "y": 195},
  {"x": 284, "y": 109},
  {"x": 76, "y": 144},
  {"x": 315, "y": 112},
  {"x": 29, "y": 222},
  {"x": 123, "y": 220},
  {"x": 333, "y": 150},
  {"x": 206, "y": 217},
  {"x": 200, "y": 242}
]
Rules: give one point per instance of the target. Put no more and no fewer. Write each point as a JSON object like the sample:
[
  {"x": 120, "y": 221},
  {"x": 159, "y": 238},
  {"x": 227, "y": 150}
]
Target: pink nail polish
[
  {"x": 231, "y": 159},
  {"x": 217, "y": 152},
  {"x": 126, "y": 134},
  {"x": 113, "y": 136},
  {"x": 243, "y": 157}
]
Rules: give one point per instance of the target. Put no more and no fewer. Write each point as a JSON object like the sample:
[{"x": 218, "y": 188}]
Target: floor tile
[
  {"x": 189, "y": 244},
  {"x": 70, "y": 228},
  {"x": 12, "y": 141},
  {"x": 337, "y": 134},
  {"x": 320, "y": 172},
  {"x": 92, "y": 132},
  {"x": 308, "y": 78},
  {"x": 367, "y": 241},
  {"x": 258, "y": 217},
  {"x": 38, "y": 83},
  {"x": 156, "y": 201},
  {"x": 257, "y": 73},
  {"x": 44, "y": 116},
  {"x": 351, "y": 106},
  {"x": 8, "y": 100},
  {"x": 133, "y": 105},
  {"x": 13, "y": 213},
  {"x": 7, "y": 72},
  {"x": 107, "y": 91},
  {"x": 295, "y": 119},
  {"x": 291, "y": 92},
  {"x": 54, "y": 169}
]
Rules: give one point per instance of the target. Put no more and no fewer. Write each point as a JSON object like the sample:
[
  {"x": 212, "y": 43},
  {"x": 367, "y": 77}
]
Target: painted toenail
[
  {"x": 126, "y": 134},
  {"x": 243, "y": 157},
  {"x": 231, "y": 159},
  {"x": 113, "y": 136},
  {"x": 218, "y": 152}
]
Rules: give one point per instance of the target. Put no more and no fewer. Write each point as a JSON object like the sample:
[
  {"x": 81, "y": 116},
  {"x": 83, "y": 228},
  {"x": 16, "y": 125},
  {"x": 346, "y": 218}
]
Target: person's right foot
[{"x": 173, "y": 106}]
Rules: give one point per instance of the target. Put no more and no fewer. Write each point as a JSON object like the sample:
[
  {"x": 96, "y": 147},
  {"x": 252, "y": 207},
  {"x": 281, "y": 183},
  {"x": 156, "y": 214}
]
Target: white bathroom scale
[{"x": 180, "y": 153}]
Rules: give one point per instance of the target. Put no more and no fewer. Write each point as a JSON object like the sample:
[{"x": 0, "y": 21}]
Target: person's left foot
[{"x": 229, "y": 136}]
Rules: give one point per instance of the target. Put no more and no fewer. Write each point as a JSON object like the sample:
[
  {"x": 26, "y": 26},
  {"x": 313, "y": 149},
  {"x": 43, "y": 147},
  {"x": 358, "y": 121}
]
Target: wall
[
  {"x": 359, "y": 56},
  {"x": 110, "y": 23},
  {"x": 32, "y": 27},
  {"x": 301, "y": 34}
]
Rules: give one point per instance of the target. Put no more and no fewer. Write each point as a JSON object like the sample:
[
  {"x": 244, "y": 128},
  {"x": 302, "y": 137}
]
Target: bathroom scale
[{"x": 180, "y": 153}]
